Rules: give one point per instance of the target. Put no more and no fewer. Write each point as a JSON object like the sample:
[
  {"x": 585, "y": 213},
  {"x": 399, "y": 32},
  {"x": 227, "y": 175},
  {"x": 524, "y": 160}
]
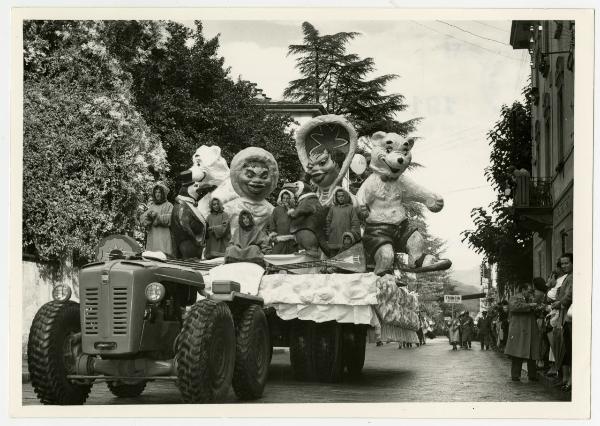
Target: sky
[{"x": 456, "y": 75}]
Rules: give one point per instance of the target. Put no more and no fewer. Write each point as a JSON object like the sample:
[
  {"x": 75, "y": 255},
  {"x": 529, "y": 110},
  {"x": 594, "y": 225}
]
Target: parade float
[{"x": 211, "y": 324}]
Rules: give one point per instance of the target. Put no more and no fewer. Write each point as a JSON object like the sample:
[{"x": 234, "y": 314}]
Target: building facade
[{"x": 544, "y": 201}]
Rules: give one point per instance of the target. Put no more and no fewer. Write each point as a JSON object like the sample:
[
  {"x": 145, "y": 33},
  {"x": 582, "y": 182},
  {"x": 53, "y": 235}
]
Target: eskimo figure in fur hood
[
  {"x": 187, "y": 226},
  {"x": 254, "y": 175},
  {"x": 157, "y": 220},
  {"x": 383, "y": 196},
  {"x": 326, "y": 145}
]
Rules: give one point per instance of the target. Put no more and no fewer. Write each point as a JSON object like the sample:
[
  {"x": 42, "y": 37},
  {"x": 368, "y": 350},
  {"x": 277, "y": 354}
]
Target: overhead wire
[
  {"x": 465, "y": 41},
  {"x": 472, "y": 33},
  {"x": 491, "y": 26}
]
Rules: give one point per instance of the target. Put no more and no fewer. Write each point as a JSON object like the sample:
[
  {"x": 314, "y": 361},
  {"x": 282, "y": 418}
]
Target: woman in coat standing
[
  {"x": 454, "y": 332},
  {"x": 523, "y": 332},
  {"x": 279, "y": 224},
  {"x": 341, "y": 220},
  {"x": 157, "y": 220},
  {"x": 217, "y": 230}
]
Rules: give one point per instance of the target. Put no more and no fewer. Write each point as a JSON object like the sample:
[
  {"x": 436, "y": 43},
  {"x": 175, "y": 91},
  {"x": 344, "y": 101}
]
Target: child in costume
[{"x": 249, "y": 243}]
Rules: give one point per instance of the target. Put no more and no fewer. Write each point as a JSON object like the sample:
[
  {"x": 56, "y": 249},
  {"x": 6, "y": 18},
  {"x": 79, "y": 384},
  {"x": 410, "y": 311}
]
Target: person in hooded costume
[
  {"x": 157, "y": 220},
  {"x": 341, "y": 220},
  {"x": 307, "y": 221},
  {"x": 188, "y": 226},
  {"x": 217, "y": 230},
  {"x": 249, "y": 242},
  {"x": 279, "y": 224}
]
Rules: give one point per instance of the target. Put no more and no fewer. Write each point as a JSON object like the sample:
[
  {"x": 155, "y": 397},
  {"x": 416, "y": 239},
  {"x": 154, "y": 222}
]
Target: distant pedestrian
[
  {"x": 523, "y": 333},
  {"x": 467, "y": 326},
  {"x": 454, "y": 332},
  {"x": 485, "y": 330}
]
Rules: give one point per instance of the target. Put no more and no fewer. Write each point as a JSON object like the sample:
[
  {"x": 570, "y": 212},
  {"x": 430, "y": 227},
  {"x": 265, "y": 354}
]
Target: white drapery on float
[{"x": 346, "y": 298}]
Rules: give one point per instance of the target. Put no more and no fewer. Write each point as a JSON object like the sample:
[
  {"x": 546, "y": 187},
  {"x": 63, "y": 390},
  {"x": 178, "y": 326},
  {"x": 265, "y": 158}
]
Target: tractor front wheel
[
  {"x": 52, "y": 351},
  {"x": 253, "y": 353},
  {"x": 205, "y": 354}
]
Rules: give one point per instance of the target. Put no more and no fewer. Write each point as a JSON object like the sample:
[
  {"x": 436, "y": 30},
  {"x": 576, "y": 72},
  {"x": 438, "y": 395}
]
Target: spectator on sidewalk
[
  {"x": 485, "y": 327},
  {"x": 563, "y": 329},
  {"x": 539, "y": 296},
  {"x": 157, "y": 220},
  {"x": 553, "y": 284},
  {"x": 523, "y": 333}
]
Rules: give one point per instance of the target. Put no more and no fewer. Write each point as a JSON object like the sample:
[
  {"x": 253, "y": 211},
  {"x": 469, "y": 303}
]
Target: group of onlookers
[
  {"x": 540, "y": 325},
  {"x": 342, "y": 226}
]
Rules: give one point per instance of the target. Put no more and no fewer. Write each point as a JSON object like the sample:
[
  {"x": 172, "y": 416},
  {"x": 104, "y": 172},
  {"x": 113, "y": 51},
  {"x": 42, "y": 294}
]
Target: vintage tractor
[{"x": 141, "y": 320}]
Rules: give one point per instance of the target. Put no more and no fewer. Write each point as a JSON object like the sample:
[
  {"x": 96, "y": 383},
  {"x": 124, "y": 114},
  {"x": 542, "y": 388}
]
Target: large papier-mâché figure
[
  {"x": 383, "y": 196},
  {"x": 326, "y": 145},
  {"x": 210, "y": 170},
  {"x": 254, "y": 175}
]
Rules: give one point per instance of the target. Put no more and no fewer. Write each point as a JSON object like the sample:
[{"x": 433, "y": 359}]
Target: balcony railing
[{"x": 533, "y": 192}]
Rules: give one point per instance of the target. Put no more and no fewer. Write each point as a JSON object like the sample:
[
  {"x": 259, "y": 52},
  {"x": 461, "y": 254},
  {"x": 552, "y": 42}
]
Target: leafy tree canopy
[
  {"x": 342, "y": 82},
  {"x": 86, "y": 149}
]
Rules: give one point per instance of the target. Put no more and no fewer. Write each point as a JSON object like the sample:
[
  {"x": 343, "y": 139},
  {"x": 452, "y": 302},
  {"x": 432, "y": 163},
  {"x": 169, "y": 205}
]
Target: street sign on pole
[{"x": 452, "y": 298}]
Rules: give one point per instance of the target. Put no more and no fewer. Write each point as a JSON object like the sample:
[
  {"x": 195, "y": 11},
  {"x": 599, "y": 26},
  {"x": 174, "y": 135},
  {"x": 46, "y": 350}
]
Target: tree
[
  {"x": 186, "y": 95},
  {"x": 340, "y": 81},
  {"x": 497, "y": 235},
  {"x": 86, "y": 149}
]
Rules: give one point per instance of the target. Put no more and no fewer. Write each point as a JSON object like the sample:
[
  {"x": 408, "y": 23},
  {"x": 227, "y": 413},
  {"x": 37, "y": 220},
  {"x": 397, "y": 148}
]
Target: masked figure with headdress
[{"x": 326, "y": 145}]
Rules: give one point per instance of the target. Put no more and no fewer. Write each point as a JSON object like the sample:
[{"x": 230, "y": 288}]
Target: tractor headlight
[
  {"x": 155, "y": 292},
  {"x": 61, "y": 293}
]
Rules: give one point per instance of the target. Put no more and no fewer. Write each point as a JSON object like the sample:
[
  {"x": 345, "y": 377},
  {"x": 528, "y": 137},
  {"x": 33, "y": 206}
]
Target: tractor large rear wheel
[
  {"x": 327, "y": 347},
  {"x": 354, "y": 347},
  {"x": 52, "y": 351},
  {"x": 205, "y": 352},
  {"x": 253, "y": 353},
  {"x": 301, "y": 349}
]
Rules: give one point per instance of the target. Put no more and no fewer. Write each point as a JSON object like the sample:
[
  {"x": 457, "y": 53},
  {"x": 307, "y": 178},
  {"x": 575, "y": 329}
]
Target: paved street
[{"x": 431, "y": 373}]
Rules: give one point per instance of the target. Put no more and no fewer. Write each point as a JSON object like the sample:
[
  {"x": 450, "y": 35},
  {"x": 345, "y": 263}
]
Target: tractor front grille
[
  {"x": 120, "y": 314},
  {"x": 92, "y": 296}
]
